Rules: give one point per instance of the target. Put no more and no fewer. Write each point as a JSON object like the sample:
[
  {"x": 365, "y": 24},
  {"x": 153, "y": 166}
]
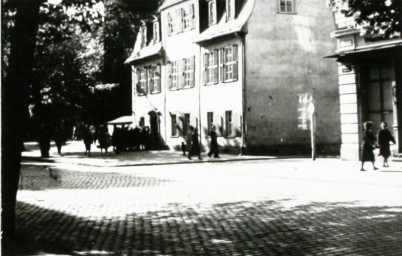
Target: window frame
[
  {"x": 156, "y": 32},
  {"x": 175, "y": 76},
  {"x": 174, "y": 130},
  {"x": 155, "y": 80},
  {"x": 142, "y": 83},
  {"x": 212, "y": 17},
  {"x": 188, "y": 73},
  {"x": 229, "y": 129},
  {"x": 230, "y": 9},
  {"x": 286, "y": 11}
]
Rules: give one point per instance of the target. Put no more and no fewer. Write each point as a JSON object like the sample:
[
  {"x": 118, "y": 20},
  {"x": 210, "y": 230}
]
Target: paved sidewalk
[{"x": 73, "y": 153}]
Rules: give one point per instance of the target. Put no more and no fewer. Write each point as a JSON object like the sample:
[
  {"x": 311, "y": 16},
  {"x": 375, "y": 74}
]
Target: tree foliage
[{"x": 378, "y": 17}]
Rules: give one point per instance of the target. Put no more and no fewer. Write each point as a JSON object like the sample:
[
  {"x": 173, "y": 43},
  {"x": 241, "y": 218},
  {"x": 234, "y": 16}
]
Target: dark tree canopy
[{"x": 378, "y": 17}]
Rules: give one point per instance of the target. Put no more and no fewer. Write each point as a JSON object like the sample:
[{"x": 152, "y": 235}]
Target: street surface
[{"x": 270, "y": 207}]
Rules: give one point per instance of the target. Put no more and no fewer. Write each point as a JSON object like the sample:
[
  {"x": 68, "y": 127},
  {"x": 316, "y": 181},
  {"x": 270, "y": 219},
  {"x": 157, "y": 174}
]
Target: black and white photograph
[{"x": 201, "y": 127}]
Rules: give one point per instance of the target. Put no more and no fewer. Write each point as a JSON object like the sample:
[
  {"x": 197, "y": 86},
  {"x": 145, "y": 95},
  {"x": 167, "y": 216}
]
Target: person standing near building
[
  {"x": 87, "y": 140},
  {"x": 189, "y": 138},
  {"x": 368, "y": 146},
  {"x": 214, "y": 143},
  {"x": 195, "y": 145},
  {"x": 384, "y": 137}
]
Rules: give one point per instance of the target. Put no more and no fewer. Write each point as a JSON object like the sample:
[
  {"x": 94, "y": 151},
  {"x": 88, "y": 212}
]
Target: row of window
[
  {"x": 221, "y": 65},
  {"x": 226, "y": 126},
  {"x": 181, "y": 19}
]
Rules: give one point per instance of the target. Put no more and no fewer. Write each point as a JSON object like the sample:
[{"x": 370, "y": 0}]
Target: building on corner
[{"x": 249, "y": 67}]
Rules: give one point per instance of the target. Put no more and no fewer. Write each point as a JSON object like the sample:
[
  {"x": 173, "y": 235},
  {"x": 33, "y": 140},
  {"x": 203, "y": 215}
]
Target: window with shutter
[
  {"x": 188, "y": 71},
  {"x": 151, "y": 73},
  {"x": 158, "y": 78},
  {"x": 178, "y": 21},
  {"x": 221, "y": 65},
  {"x": 170, "y": 24},
  {"x": 235, "y": 62},
  {"x": 215, "y": 66},
  {"x": 170, "y": 77},
  {"x": 192, "y": 75},
  {"x": 175, "y": 74},
  {"x": 173, "y": 119},
  {"x": 231, "y": 63},
  {"x": 192, "y": 16},
  {"x": 138, "y": 81},
  {"x": 206, "y": 68}
]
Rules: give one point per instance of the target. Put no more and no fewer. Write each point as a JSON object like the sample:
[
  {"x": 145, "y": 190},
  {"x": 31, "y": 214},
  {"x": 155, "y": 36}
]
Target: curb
[{"x": 37, "y": 159}]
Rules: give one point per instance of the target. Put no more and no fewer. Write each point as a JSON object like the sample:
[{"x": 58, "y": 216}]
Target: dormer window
[
  {"x": 156, "y": 31},
  {"x": 211, "y": 12},
  {"x": 143, "y": 32},
  {"x": 230, "y": 9}
]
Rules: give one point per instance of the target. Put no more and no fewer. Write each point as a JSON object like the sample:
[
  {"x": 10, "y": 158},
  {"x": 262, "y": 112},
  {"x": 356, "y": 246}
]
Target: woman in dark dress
[
  {"x": 214, "y": 143},
  {"x": 368, "y": 146},
  {"x": 384, "y": 137}
]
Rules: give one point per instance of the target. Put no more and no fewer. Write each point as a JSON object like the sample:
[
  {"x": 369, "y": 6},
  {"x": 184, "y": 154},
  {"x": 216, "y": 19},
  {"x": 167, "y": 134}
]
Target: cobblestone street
[{"x": 238, "y": 208}]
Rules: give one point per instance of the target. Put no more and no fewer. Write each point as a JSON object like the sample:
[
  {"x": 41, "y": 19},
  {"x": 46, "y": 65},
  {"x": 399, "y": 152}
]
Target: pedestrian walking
[
  {"x": 368, "y": 145},
  {"x": 189, "y": 138},
  {"x": 44, "y": 140},
  {"x": 384, "y": 138},
  {"x": 59, "y": 137},
  {"x": 195, "y": 145},
  {"x": 214, "y": 143},
  {"x": 87, "y": 140}
]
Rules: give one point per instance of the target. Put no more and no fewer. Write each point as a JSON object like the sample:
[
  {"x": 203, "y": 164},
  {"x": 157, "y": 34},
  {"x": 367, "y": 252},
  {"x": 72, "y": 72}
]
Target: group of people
[
  {"x": 125, "y": 138},
  {"x": 369, "y": 143},
  {"x": 192, "y": 145}
]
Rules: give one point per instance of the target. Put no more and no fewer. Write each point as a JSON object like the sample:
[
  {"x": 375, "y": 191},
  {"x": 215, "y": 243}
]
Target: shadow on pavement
[
  {"x": 36, "y": 178},
  {"x": 252, "y": 228}
]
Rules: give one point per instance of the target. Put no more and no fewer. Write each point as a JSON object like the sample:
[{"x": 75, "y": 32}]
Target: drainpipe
[
  {"x": 199, "y": 96},
  {"x": 244, "y": 99}
]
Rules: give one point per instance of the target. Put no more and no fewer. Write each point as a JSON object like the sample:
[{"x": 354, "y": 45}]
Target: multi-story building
[
  {"x": 370, "y": 82},
  {"x": 249, "y": 67}
]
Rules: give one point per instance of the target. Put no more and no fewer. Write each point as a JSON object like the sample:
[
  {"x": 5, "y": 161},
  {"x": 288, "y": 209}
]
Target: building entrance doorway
[
  {"x": 379, "y": 104},
  {"x": 154, "y": 124}
]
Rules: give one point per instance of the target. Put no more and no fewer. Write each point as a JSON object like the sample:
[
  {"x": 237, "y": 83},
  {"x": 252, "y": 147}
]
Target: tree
[
  {"x": 16, "y": 79},
  {"x": 120, "y": 27},
  {"x": 378, "y": 17}
]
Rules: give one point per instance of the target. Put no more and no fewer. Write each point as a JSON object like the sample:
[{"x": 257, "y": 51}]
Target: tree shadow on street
[{"x": 240, "y": 228}]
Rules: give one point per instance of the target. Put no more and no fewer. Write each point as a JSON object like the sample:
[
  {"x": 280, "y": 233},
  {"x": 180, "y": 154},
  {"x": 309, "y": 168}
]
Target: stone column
[{"x": 348, "y": 112}]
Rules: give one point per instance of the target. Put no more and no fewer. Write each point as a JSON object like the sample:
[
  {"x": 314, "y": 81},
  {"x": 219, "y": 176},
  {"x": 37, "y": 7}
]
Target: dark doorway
[{"x": 154, "y": 124}]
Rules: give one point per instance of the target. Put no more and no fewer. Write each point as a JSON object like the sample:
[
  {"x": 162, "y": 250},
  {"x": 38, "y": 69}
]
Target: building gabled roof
[
  {"x": 225, "y": 27},
  {"x": 148, "y": 51},
  {"x": 167, "y": 3}
]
